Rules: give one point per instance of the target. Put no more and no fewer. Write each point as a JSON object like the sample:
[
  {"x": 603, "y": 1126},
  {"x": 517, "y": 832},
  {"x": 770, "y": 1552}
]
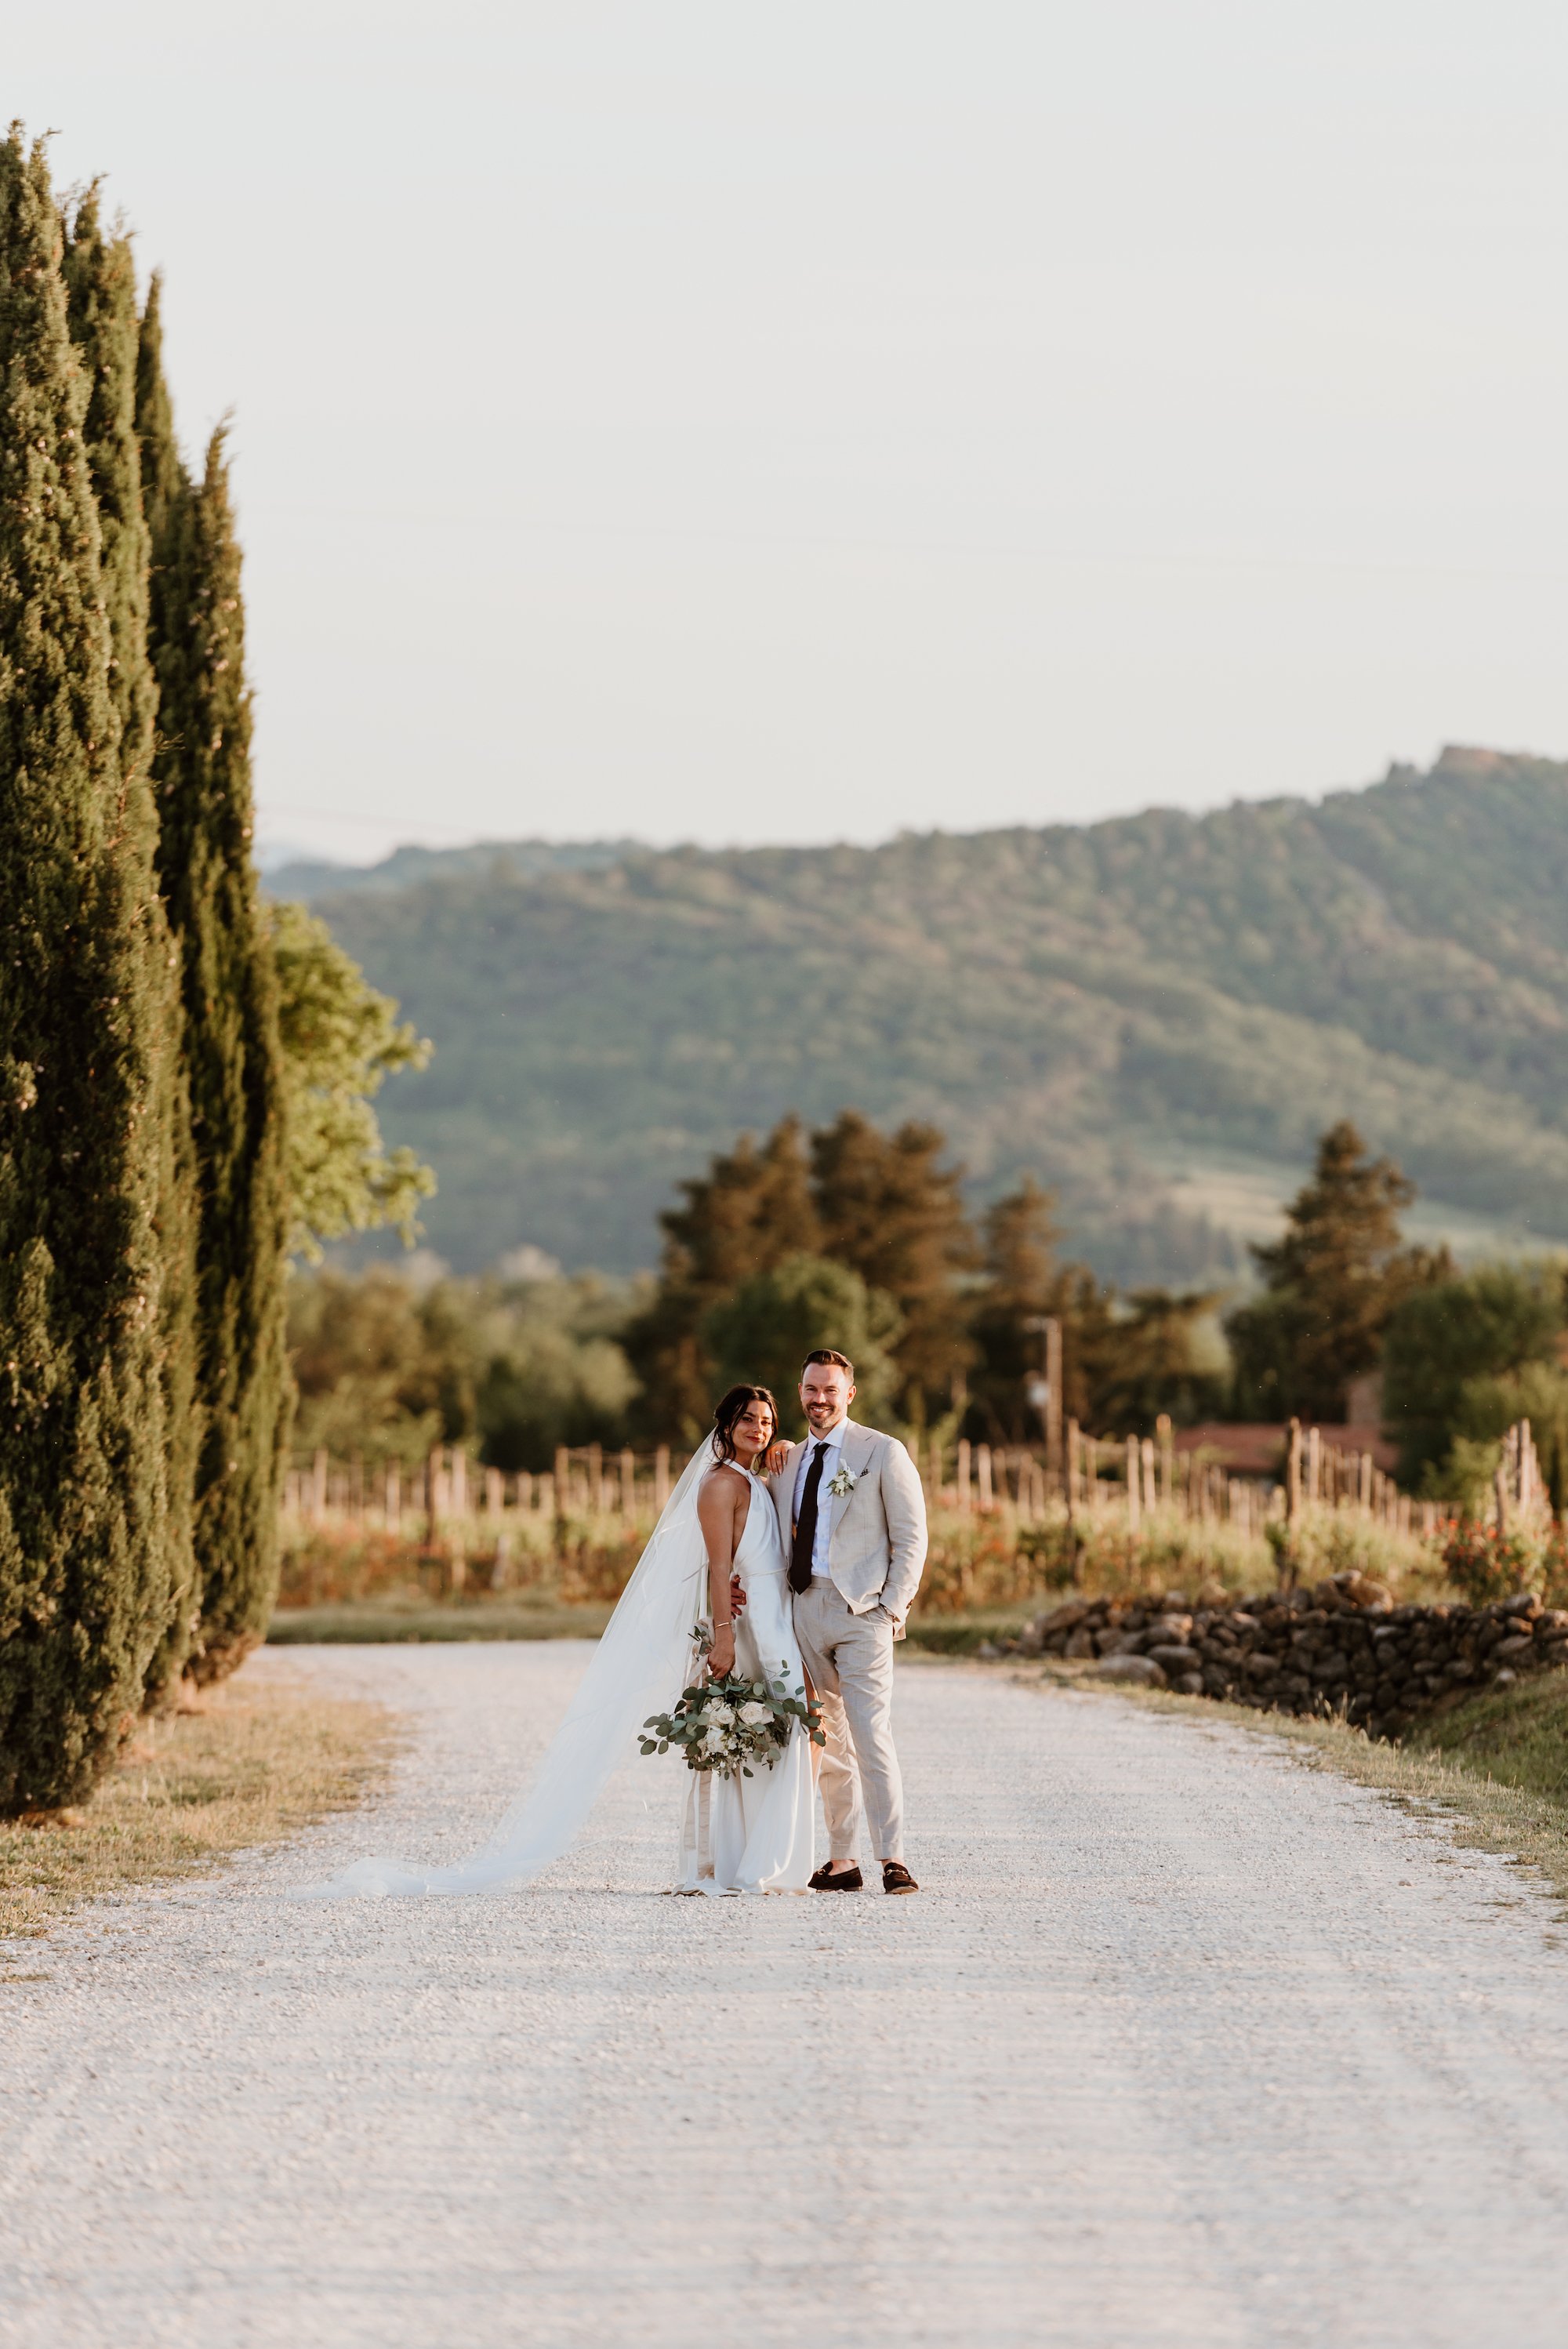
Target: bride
[
  {"x": 718, "y": 1530},
  {"x": 748, "y": 1835}
]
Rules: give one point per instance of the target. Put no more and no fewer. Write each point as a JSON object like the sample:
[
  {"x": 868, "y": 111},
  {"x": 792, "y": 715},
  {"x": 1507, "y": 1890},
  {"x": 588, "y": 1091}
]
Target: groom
[{"x": 852, "y": 1515}]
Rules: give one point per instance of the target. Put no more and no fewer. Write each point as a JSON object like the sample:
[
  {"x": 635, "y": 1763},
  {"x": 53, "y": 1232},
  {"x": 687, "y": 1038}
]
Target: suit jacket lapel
[{"x": 853, "y": 1454}]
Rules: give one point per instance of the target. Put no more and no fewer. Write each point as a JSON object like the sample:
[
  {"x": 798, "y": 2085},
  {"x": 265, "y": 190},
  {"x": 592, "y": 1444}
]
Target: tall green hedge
[
  {"x": 100, "y": 285},
  {"x": 87, "y": 1581},
  {"x": 232, "y": 1053}
]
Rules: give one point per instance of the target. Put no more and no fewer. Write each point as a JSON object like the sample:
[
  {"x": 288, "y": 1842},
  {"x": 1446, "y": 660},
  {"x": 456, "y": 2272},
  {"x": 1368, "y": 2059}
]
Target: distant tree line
[
  {"x": 846, "y": 1236},
  {"x": 864, "y": 1233},
  {"x": 1463, "y": 1354},
  {"x": 854, "y": 1237},
  {"x": 161, "y": 1053}
]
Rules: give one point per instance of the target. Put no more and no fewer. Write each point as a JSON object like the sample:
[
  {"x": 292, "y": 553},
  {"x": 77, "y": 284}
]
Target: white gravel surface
[{"x": 1183, "y": 2044}]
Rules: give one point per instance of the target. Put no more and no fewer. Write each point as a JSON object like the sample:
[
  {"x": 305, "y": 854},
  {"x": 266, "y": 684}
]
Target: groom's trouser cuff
[{"x": 836, "y": 1777}]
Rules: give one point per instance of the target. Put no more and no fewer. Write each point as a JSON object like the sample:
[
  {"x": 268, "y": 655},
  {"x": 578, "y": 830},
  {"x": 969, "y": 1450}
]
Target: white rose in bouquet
[{"x": 732, "y": 1723}]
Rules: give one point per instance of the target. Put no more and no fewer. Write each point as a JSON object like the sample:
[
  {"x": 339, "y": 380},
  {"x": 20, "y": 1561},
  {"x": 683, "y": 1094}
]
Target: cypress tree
[
  {"x": 85, "y": 1582},
  {"x": 233, "y": 1063},
  {"x": 100, "y": 285}
]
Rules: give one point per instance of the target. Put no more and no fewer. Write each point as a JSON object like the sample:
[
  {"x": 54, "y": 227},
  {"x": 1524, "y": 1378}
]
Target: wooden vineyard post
[
  {"x": 318, "y": 1488},
  {"x": 983, "y": 1472},
  {"x": 1150, "y": 1492},
  {"x": 495, "y": 1507},
  {"x": 1134, "y": 1486},
  {"x": 628, "y": 1486},
  {"x": 1053, "y": 1404},
  {"x": 459, "y": 1491},
  {"x": 965, "y": 1498},
  {"x": 1293, "y": 1474},
  {"x": 661, "y": 1479},
  {"x": 1167, "y": 1458},
  {"x": 392, "y": 1498},
  {"x": 433, "y": 1481}
]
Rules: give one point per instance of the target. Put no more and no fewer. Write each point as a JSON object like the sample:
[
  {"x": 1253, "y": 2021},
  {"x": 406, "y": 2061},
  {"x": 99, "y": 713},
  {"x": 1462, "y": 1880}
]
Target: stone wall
[{"x": 1339, "y": 1648}]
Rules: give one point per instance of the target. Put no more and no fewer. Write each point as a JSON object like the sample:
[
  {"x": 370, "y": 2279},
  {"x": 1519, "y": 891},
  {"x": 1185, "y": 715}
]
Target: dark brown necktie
[{"x": 806, "y": 1525}]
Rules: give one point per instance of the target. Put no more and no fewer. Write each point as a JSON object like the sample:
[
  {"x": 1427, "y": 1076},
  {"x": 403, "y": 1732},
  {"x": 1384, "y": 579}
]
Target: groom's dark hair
[{"x": 829, "y": 1354}]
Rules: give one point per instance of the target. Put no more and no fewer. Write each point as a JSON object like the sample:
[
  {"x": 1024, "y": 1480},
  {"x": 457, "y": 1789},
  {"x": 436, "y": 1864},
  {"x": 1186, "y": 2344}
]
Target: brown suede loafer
[
  {"x": 843, "y": 1880},
  {"x": 896, "y": 1878}
]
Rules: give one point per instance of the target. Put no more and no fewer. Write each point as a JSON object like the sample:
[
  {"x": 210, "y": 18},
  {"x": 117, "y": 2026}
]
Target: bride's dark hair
[{"x": 727, "y": 1410}]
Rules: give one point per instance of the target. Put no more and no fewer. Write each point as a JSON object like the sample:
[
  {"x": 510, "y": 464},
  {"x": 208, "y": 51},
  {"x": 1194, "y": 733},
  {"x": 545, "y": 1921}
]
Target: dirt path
[{"x": 1183, "y": 2044}]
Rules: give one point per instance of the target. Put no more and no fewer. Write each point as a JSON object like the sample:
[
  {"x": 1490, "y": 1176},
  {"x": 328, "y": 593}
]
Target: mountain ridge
[{"x": 1077, "y": 1002}]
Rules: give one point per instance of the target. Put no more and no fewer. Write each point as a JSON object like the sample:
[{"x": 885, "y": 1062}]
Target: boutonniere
[{"x": 843, "y": 1483}]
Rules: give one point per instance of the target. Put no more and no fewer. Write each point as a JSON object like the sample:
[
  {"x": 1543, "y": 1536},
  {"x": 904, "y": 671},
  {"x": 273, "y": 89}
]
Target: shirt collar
[{"x": 833, "y": 1441}]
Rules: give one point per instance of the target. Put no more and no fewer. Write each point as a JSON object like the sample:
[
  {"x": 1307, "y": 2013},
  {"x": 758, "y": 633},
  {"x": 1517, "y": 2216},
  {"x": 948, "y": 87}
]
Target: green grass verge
[
  {"x": 376, "y": 1622},
  {"x": 1495, "y": 1768},
  {"x": 1519, "y": 1735},
  {"x": 397, "y": 1617}
]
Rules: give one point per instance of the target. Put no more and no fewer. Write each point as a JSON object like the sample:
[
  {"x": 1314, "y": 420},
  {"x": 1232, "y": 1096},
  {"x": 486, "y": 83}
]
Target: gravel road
[{"x": 1183, "y": 2044}]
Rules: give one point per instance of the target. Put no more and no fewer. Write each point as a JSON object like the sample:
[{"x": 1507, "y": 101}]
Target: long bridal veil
[{"x": 638, "y": 1668}]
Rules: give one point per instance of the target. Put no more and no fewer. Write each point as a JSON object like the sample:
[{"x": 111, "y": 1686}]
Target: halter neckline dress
[{"x": 756, "y": 1834}]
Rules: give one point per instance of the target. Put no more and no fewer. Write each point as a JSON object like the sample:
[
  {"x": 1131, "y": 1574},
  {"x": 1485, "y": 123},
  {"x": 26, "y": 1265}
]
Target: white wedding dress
[
  {"x": 756, "y": 1834},
  {"x": 758, "y": 1839}
]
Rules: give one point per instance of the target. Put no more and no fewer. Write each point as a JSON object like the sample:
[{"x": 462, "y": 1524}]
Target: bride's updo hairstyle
[{"x": 730, "y": 1408}]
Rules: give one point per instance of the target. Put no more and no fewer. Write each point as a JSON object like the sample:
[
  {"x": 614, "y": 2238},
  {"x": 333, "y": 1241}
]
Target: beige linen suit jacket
[{"x": 878, "y": 1536}]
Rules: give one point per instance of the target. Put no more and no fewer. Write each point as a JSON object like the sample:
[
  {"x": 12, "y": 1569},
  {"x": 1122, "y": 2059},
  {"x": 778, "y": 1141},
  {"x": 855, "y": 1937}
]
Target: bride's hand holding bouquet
[{"x": 726, "y": 1720}]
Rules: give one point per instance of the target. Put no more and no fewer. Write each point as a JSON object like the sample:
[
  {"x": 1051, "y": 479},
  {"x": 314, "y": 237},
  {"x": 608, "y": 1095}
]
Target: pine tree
[
  {"x": 100, "y": 285},
  {"x": 749, "y": 1212},
  {"x": 85, "y": 1581},
  {"x": 892, "y": 1215},
  {"x": 1331, "y": 1283},
  {"x": 234, "y": 1062}
]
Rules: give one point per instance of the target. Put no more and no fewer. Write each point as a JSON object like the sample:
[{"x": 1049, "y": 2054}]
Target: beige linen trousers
[{"x": 847, "y": 1622}]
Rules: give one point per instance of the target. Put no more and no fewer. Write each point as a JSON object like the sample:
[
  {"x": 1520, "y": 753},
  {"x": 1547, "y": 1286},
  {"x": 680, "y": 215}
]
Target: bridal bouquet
[{"x": 728, "y": 1724}]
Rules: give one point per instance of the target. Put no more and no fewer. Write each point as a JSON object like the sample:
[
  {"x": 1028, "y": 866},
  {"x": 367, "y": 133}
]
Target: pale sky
[{"x": 734, "y": 424}]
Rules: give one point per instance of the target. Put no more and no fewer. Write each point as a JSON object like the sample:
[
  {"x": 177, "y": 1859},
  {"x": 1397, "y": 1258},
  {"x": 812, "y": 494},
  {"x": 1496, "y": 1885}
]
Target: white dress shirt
[{"x": 833, "y": 1443}]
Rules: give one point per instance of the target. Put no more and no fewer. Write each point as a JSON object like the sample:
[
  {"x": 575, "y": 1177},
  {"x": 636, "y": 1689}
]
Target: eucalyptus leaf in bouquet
[{"x": 732, "y": 1724}]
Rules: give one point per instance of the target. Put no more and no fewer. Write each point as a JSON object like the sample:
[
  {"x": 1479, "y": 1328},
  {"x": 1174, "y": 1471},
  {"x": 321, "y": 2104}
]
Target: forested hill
[{"x": 1157, "y": 1015}]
